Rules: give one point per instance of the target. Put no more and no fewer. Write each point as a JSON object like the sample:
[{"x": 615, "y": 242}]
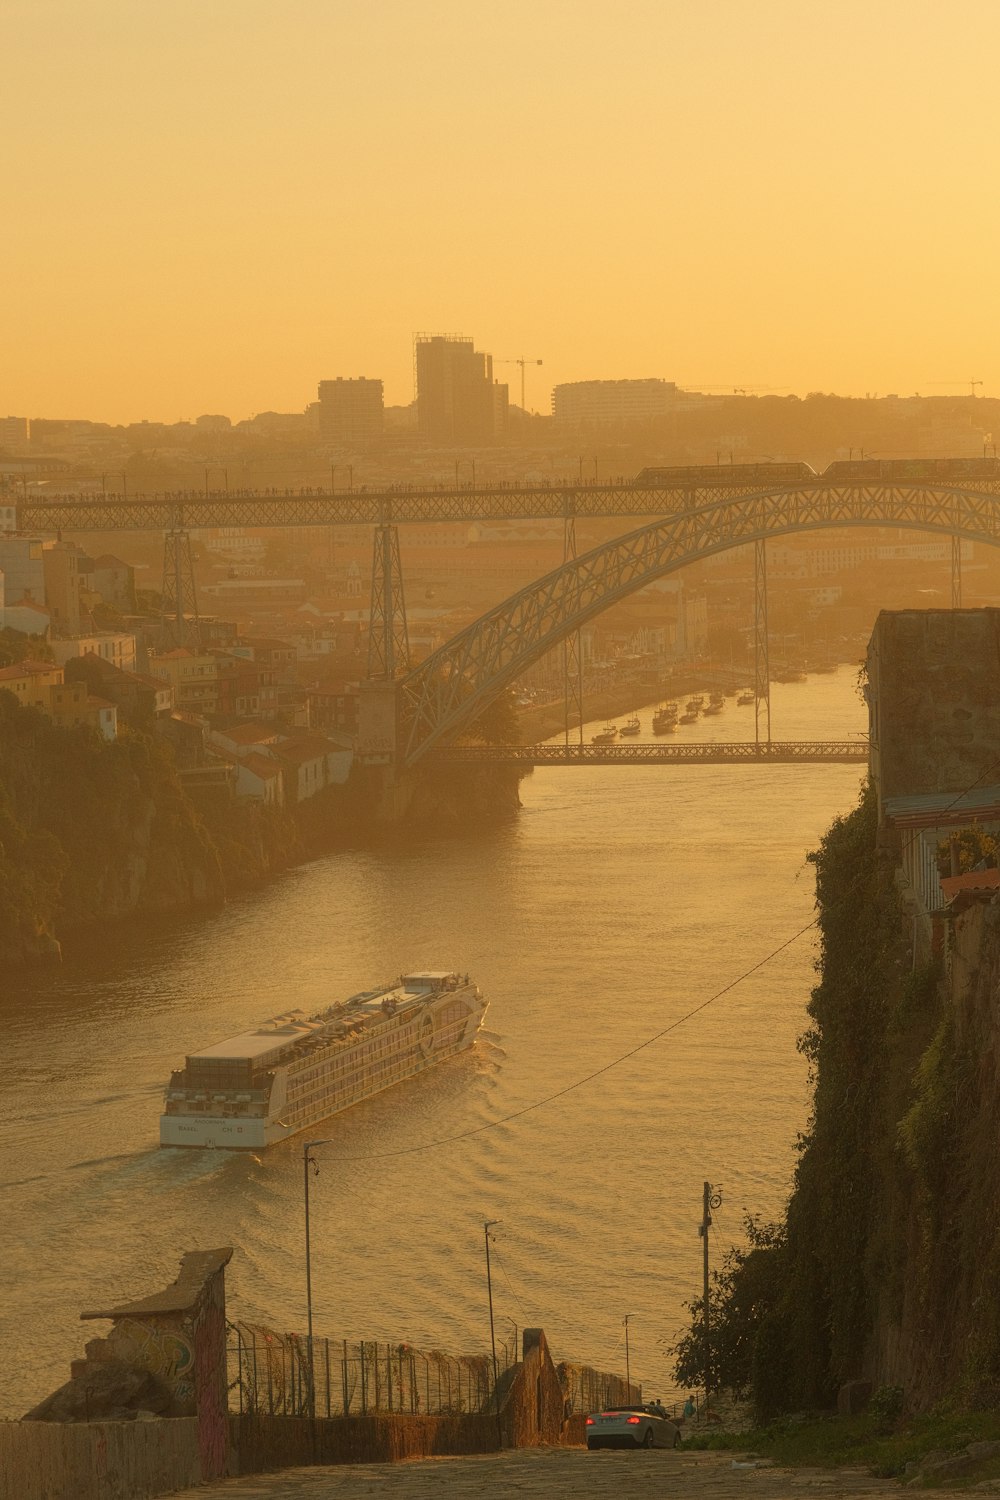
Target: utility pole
[
  {"x": 309, "y": 1161},
  {"x": 487, "y": 1226},
  {"x": 709, "y": 1200}
]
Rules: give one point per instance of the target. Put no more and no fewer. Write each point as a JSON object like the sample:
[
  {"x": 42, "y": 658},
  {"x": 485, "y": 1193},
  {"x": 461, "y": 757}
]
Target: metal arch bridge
[
  {"x": 440, "y": 697},
  {"x": 193, "y": 512}
]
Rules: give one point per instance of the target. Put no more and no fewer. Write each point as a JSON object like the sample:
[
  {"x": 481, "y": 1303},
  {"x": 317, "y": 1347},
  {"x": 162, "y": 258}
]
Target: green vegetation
[
  {"x": 974, "y": 845},
  {"x": 885, "y": 1446},
  {"x": 889, "y": 1253},
  {"x": 16, "y": 647}
]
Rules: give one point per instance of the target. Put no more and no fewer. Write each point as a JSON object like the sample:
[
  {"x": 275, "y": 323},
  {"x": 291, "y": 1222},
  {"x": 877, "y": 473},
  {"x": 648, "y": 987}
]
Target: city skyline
[{"x": 215, "y": 200}]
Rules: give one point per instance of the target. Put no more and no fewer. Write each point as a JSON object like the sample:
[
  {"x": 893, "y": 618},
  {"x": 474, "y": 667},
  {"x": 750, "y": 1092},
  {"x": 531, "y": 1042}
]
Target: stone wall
[{"x": 933, "y": 699}]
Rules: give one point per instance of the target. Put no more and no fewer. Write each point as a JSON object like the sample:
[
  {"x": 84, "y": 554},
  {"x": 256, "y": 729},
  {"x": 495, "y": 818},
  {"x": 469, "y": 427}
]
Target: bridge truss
[{"x": 447, "y": 691}]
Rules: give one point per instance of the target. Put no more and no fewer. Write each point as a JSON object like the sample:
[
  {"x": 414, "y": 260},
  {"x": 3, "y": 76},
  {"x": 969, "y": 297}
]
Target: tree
[{"x": 743, "y": 1295}]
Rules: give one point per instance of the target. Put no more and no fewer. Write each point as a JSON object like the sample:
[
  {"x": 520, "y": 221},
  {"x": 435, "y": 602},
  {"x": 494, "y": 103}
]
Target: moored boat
[{"x": 631, "y": 726}]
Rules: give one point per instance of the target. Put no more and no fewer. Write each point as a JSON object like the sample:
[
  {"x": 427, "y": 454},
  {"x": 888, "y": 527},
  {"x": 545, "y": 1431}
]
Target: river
[{"x": 620, "y": 899}]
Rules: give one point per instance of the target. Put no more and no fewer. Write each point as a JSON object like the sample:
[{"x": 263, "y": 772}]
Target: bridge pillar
[
  {"x": 388, "y": 637},
  {"x": 761, "y": 664},
  {"x": 571, "y": 652},
  {"x": 179, "y": 624},
  {"x": 376, "y": 748}
]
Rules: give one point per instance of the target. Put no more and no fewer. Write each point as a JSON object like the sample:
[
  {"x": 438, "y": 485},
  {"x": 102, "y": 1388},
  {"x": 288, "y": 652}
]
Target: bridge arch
[{"x": 448, "y": 690}]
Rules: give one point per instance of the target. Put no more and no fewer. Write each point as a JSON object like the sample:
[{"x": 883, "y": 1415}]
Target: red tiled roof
[
  {"x": 972, "y": 880},
  {"x": 27, "y": 668}
]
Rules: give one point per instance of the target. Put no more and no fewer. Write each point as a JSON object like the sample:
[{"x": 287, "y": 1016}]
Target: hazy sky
[{"x": 210, "y": 205}]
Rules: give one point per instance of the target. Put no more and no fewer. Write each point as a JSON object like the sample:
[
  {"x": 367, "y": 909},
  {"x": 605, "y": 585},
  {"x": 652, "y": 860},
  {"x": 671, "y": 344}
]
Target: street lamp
[
  {"x": 487, "y": 1226},
  {"x": 628, "y": 1367},
  {"x": 307, "y": 1162},
  {"x": 225, "y": 477}
]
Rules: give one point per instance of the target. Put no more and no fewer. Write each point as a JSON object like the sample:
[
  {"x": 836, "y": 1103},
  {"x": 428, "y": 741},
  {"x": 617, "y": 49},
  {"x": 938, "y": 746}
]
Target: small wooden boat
[{"x": 631, "y": 726}]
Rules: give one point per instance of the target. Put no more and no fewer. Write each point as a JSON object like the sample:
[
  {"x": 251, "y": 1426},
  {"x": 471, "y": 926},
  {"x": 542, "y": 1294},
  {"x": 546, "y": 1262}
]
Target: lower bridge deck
[{"x": 738, "y": 752}]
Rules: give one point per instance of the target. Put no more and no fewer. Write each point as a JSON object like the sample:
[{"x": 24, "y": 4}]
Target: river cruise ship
[{"x": 293, "y": 1071}]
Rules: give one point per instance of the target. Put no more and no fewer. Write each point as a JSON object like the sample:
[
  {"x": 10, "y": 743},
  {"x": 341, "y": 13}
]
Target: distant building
[
  {"x": 23, "y": 570},
  {"x": 116, "y": 647},
  {"x": 457, "y": 400},
  {"x": 114, "y": 581},
  {"x": 61, "y": 573},
  {"x": 605, "y": 403},
  {"x": 210, "y": 423},
  {"x": 13, "y": 433},
  {"x": 351, "y": 413}
]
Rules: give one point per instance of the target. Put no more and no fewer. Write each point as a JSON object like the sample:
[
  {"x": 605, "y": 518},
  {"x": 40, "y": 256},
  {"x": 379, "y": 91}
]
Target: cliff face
[
  {"x": 937, "y": 1320},
  {"x": 888, "y": 1262},
  {"x": 90, "y": 831}
]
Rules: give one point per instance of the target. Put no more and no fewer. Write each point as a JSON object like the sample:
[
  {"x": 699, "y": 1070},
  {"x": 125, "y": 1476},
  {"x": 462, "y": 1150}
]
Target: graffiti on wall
[{"x": 165, "y": 1352}]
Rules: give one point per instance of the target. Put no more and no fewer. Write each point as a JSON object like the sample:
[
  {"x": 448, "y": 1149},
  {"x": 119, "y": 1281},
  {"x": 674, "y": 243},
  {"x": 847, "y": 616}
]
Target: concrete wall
[
  {"x": 98, "y": 1460},
  {"x": 261, "y": 1443}
]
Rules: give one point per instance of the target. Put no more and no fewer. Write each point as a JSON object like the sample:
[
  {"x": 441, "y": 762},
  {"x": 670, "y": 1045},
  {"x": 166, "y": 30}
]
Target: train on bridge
[{"x": 842, "y": 470}]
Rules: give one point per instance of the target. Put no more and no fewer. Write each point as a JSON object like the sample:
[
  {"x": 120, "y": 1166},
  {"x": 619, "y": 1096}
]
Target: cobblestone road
[{"x": 528, "y": 1472}]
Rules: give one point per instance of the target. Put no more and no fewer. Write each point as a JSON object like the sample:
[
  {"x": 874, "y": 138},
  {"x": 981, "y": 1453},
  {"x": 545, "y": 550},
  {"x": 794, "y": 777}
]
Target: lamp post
[
  {"x": 628, "y": 1367},
  {"x": 225, "y": 477},
  {"x": 307, "y": 1162},
  {"x": 487, "y": 1226},
  {"x": 333, "y": 470}
]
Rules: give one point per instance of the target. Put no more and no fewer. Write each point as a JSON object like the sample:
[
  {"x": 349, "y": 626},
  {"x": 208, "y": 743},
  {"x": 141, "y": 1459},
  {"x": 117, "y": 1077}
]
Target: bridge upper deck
[{"x": 650, "y": 494}]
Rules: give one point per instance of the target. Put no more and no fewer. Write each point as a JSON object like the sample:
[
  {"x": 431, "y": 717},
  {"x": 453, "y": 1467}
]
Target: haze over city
[
  {"x": 213, "y": 200},
  {"x": 499, "y": 747}
]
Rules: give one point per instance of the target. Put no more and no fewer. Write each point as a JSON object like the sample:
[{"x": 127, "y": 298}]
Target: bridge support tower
[
  {"x": 571, "y": 652},
  {"x": 179, "y": 624},
  {"x": 377, "y": 746},
  {"x": 388, "y": 637},
  {"x": 761, "y": 664}
]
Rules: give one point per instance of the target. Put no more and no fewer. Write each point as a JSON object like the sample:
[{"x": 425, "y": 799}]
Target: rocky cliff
[
  {"x": 90, "y": 831},
  {"x": 886, "y": 1264}
]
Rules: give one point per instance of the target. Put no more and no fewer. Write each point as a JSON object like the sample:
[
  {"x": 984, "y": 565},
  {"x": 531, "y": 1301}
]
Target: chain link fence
[{"x": 269, "y": 1373}]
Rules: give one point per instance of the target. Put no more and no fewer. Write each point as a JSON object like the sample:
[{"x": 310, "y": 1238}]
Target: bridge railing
[{"x": 739, "y": 752}]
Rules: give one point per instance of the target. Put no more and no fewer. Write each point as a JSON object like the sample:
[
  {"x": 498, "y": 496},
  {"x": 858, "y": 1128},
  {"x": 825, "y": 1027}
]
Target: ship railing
[{"x": 269, "y": 1375}]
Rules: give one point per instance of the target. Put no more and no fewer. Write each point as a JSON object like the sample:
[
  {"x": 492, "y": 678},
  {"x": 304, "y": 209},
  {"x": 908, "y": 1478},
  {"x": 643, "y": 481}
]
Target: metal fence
[
  {"x": 588, "y": 1389},
  {"x": 269, "y": 1373}
]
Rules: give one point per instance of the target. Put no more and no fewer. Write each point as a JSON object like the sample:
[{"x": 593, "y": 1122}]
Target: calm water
[{"x": 618, "y": 901}]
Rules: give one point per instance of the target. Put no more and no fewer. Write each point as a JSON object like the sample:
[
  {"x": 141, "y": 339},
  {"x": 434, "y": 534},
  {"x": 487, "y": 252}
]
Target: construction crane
[
  {"x": 970, "y": 383},
  {"x": 522, "y": 361}
]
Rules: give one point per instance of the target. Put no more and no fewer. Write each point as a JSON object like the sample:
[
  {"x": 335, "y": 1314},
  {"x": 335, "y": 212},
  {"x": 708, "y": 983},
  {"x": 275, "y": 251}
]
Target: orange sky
[{"x": 213, "y": 204}]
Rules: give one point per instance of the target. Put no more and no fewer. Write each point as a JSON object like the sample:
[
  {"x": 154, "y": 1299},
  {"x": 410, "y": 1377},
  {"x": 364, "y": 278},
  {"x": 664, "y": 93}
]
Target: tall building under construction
[{"x": 458, "y": 401}]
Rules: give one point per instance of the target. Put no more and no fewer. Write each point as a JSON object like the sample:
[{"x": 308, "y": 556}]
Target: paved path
[{"x": 524, "y": 1473}]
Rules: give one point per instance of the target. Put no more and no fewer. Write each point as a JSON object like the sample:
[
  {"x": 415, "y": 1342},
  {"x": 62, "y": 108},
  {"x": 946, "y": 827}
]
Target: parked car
[{"x": 632, "y": 1427}]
